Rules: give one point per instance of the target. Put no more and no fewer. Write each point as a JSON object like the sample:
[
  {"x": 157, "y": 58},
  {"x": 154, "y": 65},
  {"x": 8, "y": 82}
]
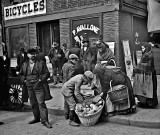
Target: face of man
[
  {"x": 74, "y": 61},
  {"x": 31, "y": 56}
]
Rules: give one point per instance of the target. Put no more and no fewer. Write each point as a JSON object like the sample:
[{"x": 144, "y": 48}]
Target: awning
[{"x": 153, "y": 16}]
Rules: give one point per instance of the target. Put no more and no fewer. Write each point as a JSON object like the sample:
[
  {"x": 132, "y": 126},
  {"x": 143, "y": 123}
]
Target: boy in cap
[
  {"x": 72, "y": 95},
  {"x": 68, "y": 71},
  {"x": 34, "y": 73}
]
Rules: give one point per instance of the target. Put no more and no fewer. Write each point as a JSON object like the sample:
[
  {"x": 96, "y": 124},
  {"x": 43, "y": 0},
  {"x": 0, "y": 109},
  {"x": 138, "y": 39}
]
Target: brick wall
[
  {"x": 64, "y": 31},
  {"x": 32, "y": 35},
  {"x": 111, "y": 32},
  {"x": 125, "y": 34},
  {"x": 57, "y": 5}
]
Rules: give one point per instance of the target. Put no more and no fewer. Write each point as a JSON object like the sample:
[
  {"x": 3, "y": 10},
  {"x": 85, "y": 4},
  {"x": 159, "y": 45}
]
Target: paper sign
[
  {"x": 13, "y": 62},
  {"x": 1, "y": 50},
  {"x": 111, "y": 46}
]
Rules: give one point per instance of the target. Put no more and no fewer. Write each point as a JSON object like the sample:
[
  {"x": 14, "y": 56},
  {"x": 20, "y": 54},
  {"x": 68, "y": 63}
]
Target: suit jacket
[
  {"x": 68, "y": 70},
  {"x": 72, "y": 87},
  {"x": 53, "y": 55},
  {"x": 42, "y": 71}
]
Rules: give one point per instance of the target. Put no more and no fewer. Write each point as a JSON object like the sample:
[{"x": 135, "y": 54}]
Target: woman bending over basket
[
  {"x": 120, "y": 81},
  {"x": 145, "y": 82}
]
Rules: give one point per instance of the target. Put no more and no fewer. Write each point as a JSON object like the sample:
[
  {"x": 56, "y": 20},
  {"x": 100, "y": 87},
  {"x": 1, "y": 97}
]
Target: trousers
[{"x": 37, "y": 101}]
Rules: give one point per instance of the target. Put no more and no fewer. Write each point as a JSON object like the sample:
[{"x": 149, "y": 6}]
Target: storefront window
[
  {"x": 85, "y": 28},
  {"x": 47, "y": 33},
  {"x": 18, "y": 39}
]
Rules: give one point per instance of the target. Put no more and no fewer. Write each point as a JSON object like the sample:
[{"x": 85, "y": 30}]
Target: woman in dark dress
[{"x": 145, "y": 82}]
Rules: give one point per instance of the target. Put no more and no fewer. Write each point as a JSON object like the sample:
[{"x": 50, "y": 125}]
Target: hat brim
[{"x": 85, "y": 42}]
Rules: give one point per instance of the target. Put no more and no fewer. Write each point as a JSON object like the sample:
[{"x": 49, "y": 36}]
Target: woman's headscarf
[{"x": 147, "y": 47}]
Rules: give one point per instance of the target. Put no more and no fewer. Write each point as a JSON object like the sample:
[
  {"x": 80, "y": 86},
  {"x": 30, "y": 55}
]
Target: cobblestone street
[{"x": 16, "y": 124}]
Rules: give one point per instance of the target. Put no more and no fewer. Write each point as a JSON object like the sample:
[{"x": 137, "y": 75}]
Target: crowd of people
[{"x": 83, "y": 65}]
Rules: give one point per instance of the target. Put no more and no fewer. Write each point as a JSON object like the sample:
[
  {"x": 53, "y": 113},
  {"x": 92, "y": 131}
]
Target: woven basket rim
[{"x": 94, "y": 114}]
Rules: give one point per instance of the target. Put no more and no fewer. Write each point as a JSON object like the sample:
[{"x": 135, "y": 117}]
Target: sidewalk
[{"x": 149, "y": 118}]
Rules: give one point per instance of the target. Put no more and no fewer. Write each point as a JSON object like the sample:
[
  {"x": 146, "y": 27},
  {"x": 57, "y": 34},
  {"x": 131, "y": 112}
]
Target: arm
[
  {"x": 71, "y": 72},
  {"x": 22, "y": 73},
  {"x": 77, "y": 91},
  {"x": 44, "y": 73}
]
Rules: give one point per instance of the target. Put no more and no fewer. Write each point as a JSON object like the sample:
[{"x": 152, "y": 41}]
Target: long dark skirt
[{"x": 148, "y": 101}]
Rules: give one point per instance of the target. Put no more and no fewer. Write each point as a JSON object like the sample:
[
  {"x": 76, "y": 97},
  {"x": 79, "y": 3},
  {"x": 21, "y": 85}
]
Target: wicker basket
[
  {"x": 118, "y": 94},
  {"x": 91, "y": 119}
]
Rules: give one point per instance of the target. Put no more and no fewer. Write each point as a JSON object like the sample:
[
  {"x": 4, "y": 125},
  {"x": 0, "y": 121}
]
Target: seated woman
[
  {"x": 145, "y": 81},
  {"x": 118, "y": 78}
]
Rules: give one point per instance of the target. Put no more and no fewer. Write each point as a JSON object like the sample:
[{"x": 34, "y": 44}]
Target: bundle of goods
[{"x": 90, "y": 111}]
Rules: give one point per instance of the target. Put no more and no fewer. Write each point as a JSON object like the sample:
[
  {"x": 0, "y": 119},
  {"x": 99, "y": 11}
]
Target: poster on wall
[
  {"x": 88, "y": 28},
  {"x": 128, "y": 59},
  {"x": 111, "y": 46},
  {"x": 1, "y": 49}
]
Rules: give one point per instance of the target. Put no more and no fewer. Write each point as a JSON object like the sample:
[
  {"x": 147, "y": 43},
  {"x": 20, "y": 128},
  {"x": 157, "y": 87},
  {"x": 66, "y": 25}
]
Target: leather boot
[
  {"x": 71, "y": 119},
  {"x": 34, "y": 121}
]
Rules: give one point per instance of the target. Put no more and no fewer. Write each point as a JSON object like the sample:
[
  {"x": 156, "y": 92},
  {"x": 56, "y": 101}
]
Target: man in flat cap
[
  {"x": 34, "y": 73},
  {"x": 68, "y": 71},
  {"x": 56, "y": 56},
  {"x": 72, "y": 95}
]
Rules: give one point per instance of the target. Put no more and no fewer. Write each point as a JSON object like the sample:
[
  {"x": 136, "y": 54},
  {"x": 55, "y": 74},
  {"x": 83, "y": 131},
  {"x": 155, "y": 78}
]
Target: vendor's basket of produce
[
  {"x": 90, "y": 111},
  {"x": 118, "y": 94}
]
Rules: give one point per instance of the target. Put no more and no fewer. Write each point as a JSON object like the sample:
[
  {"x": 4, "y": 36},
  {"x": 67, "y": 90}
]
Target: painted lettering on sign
[
  {"x": 31, "y": 8},
  {"x": 82, "y": 27}
]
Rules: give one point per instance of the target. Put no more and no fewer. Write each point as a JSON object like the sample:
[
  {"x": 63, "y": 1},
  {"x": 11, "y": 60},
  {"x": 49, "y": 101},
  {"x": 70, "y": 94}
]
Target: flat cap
[
  {"x": 31, "y": 50},
  {"x": 89, "y": 74},
  {"x": 73, "y": 56}
]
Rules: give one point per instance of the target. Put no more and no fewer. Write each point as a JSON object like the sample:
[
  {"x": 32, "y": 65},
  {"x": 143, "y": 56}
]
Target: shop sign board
[
  {"x": 85, "y": 28},
  {"x": 26, "y": 9}
]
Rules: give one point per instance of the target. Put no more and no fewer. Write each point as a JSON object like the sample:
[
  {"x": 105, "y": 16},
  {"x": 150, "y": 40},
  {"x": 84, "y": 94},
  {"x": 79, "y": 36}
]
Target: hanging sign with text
[
  {"x": 26, "y": 9},
  {"x": 85, "y": 28}
]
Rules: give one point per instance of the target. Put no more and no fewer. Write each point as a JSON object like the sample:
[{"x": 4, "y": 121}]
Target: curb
[
  {"x": 129, "y": 121},
  {"x": 125, "y": 120}
]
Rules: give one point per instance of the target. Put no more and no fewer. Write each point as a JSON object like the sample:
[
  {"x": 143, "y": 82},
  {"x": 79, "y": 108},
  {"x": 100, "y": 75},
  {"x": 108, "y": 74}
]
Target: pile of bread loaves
[{"x": 87, "y": 109}]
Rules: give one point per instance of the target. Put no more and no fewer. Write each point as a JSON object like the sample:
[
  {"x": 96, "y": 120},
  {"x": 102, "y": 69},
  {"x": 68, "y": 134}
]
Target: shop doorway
[{"x": 47, "y": 33}]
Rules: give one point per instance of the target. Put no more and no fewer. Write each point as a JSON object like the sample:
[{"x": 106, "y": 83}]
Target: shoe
[
  {"x": 1, "y": 123},
  {"x": 66, "y": 116},
  {"x": 72, "y": 123},
  {"x": 47, "y": 124},
  {"x": 34, "y": 121}
]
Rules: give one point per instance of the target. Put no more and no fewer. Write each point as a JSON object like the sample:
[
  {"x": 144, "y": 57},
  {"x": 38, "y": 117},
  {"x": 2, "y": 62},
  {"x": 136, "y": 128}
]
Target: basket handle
[
  {"x": 110, "y": 83},
  {"x": 113, "y": 62}
]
